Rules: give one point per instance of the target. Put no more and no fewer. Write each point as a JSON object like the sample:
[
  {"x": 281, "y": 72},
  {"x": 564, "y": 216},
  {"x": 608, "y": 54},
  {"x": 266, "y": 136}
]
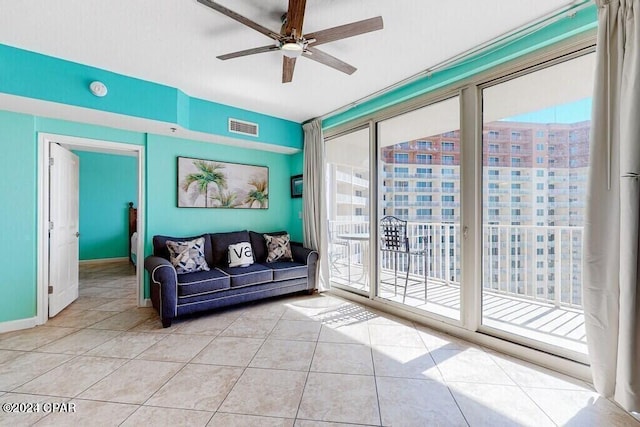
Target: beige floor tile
[
  {"x": 79, "y": 342},
  {"x": 437, "y": 340},
  {"x": 266, "y": 392},
  {"x": 351, "y": 333},
  {"x": 230, "y": 351},
  {"x": 28, "y": 366},
  {"x": 340, "y": 398},
  {"x": 127, "y": 345},
  {"x": 133, "y": 382},
  {"x": 15, "y": 419},
  {"x": 207, "y": 324},
  {"x": 296, "y": 330},
  {"x": 312, "y": 423},
  {"x": 33, "y": 338},
  {"x": 86, "y": 303},
  {"x": 235, "y": 420},
  {"x": 150, "y": 416},
  {"x": 405, "y": 362},
  {"x": 7, "y": 355},
  {"x": 118, "y": 304},
  {"x": 494, "y": 405},
  {"x": 152, "y": 325},
  {"x": 529, "y": 375},
  {"x": 200, "y": 387},
  {"x": 250, "y": 328},
  {"x": 267, "y": 309},
  {"x": 396, "y": 335},
  {"x": 412, "y": 402},
  {"x": 575, "y": 408},
  {"x": 471, "y": 365},
  {"x": 88, "y": 412},
  {"x": 284, "y": 354},
  {"x": 80, "y": 319},
  {"x": 342, "y": 358},
  {"x": 121, "y": 321},
  {"x": 176, "y": 348},
  {"x": 72, "y": 377}
]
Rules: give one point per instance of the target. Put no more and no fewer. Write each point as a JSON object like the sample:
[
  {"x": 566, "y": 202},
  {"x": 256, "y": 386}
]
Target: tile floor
[{"x": 296, "y": 361}]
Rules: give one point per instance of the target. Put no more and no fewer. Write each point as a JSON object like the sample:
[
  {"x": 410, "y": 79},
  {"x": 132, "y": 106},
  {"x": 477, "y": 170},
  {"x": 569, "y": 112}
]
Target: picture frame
[
  {"x": 296, "y": 186},
  {"x": 213, "y": 184}
]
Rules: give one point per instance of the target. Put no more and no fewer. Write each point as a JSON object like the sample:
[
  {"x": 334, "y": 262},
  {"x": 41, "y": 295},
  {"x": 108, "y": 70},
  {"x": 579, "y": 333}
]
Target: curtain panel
[
  {"x": 314, "y": 210},
  {"x": 612, "y": 239}
]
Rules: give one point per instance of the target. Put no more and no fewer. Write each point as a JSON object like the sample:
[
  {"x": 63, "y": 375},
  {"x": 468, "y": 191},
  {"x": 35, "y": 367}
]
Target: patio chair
[
  {"x": 394, "y": 239},
  {"x": 338, "y": 254}
]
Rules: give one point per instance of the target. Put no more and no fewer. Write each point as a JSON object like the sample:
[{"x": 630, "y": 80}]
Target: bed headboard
[{"x": 133, "y": 224}]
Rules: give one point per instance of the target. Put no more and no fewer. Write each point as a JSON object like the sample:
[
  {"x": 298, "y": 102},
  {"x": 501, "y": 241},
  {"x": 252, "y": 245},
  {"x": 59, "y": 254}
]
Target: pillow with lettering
[{"x": 240, "y": 255}]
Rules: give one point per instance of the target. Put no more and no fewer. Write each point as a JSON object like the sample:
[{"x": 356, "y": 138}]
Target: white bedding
[{"x": 134, "y": 246}]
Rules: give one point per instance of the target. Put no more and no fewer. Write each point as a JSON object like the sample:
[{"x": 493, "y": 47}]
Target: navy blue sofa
[{"x": 175, "y": 295}]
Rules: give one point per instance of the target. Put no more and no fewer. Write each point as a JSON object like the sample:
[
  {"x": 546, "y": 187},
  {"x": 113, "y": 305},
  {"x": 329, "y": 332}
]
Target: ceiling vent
[{"x": 242, "y": 127}]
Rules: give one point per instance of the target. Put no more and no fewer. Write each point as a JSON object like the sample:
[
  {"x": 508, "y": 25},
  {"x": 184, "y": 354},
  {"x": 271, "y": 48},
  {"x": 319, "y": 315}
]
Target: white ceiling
[{"x": 175, "y": 43}]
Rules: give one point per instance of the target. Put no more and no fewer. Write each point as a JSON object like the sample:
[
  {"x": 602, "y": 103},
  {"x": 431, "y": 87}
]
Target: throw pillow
[
  {"x": 187, "y": 256},
  {"x": 278, "y": 248},
  {"x": 240, "y": 255}
]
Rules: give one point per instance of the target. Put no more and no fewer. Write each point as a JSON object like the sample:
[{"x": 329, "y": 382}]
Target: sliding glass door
[
  {"x": 535, "y": 145},
  {"x": 348, "y": 210},
  {"x": 419, "y": 186}
]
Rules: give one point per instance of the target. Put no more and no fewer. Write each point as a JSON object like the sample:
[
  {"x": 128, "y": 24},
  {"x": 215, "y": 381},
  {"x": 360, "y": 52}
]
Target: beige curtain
[
  {"x": 314, "y": 212},
  {"x": 612, "y": 239}
]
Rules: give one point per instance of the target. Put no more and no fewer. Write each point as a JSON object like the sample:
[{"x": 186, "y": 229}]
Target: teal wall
[
  {"x": 44, "y": 77},
  {"x": 18, "y": 142},
  {"x": 18, "y": 213},
  {"x": 108, "y": 182},
  {"x": 295, "y": 224}
]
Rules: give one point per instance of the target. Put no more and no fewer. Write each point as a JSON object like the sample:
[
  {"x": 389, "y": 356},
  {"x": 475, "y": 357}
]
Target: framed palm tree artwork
[{"x": 213, "y": 184}]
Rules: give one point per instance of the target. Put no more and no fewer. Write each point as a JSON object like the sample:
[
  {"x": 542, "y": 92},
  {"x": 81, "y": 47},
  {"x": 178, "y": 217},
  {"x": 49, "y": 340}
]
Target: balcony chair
[
  {"x": 338, "y": 251},
  {"x": 393, "y": 239}
]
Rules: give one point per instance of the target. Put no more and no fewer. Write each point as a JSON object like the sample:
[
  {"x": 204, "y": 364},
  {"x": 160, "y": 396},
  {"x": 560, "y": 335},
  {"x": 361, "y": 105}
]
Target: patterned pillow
[
  {"x": 240, "y": 255},
  {"x": 278, "y": 248},
  {"x": 187, "y": 256}
]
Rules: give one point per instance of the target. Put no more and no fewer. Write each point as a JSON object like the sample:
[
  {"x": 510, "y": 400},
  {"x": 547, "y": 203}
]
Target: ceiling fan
[{"x": 291, "y": 41}]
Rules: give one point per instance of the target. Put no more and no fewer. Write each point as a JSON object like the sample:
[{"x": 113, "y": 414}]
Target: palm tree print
[
  {"x": 227, "y": 199},
  {"x": 208, "y": 173},
  {"x": 259, "y": 194}
]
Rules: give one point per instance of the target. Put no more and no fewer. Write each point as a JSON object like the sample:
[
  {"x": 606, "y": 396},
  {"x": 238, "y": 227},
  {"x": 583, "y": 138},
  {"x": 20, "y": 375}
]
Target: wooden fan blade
[
  {"x": 295, "y": 17},
  {"x": 345, "y": 31},
  {"x": 288, "y": 64},
  {"x": 246, "y": 52},
  {"x": 331, "y": 61},
  {"x": 241, "y": 19}
]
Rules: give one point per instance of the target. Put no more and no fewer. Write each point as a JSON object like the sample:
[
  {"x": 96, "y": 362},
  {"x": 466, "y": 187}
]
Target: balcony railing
[{"x": 541, "y": 263}]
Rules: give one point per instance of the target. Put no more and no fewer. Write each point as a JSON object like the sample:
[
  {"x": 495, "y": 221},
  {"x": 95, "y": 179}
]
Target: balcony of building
[{"x": 536, "y": 297}]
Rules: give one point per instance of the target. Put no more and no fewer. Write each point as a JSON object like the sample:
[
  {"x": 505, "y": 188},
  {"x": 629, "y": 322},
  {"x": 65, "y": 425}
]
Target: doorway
[{"x": 83, "y": 144}]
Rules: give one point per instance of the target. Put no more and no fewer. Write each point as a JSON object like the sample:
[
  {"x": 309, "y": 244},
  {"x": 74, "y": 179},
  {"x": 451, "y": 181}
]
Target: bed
[{"x": 133, "y": 234}]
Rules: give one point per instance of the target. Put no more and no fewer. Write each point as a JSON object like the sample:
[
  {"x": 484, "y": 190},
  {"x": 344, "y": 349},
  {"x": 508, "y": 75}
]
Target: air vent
[{"x": 242, "y": 127}]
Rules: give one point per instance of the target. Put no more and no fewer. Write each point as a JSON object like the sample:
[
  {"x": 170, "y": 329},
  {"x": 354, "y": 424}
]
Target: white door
[{"x": 63, "y": 226}]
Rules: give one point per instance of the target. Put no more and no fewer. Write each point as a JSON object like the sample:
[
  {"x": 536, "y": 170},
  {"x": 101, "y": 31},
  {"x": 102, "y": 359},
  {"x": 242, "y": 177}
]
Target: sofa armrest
[
  {"x": 309, "y": 257},
  {"x": 164, "y": 287}
]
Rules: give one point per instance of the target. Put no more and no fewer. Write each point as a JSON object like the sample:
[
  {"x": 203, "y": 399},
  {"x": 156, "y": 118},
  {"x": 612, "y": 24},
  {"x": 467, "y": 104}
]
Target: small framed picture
[{"x": 296, "y": 186}]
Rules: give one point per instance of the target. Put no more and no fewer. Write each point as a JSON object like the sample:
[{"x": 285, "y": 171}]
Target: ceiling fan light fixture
[{"x": 292, "y": 49}]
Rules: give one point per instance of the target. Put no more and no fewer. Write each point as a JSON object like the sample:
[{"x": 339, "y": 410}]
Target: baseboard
[
  {"x": 15, "y": 325},
  {"x": 102, "y": 260},
  {"x": 147, "y": 303}
]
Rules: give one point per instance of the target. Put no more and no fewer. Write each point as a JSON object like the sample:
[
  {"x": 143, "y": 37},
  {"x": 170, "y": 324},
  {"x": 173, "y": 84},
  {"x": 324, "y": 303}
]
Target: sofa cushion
[
  {"x": 285, "y": 270},
  {"x": 187, "y": 257},
  {"x": 220, "y": 245},
  {"x": 278, "y": 248},
  {"x": 259, "y": 244},
  {"x": 202, "y": 282},
  {"x": 251, "y": 275},
  {"x": 160, "y": 246},
  {"x": 240, "y": 255}
]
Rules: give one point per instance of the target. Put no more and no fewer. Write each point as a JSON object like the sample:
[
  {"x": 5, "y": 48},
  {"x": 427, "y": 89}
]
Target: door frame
[{"x": 85, "y": 144}]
